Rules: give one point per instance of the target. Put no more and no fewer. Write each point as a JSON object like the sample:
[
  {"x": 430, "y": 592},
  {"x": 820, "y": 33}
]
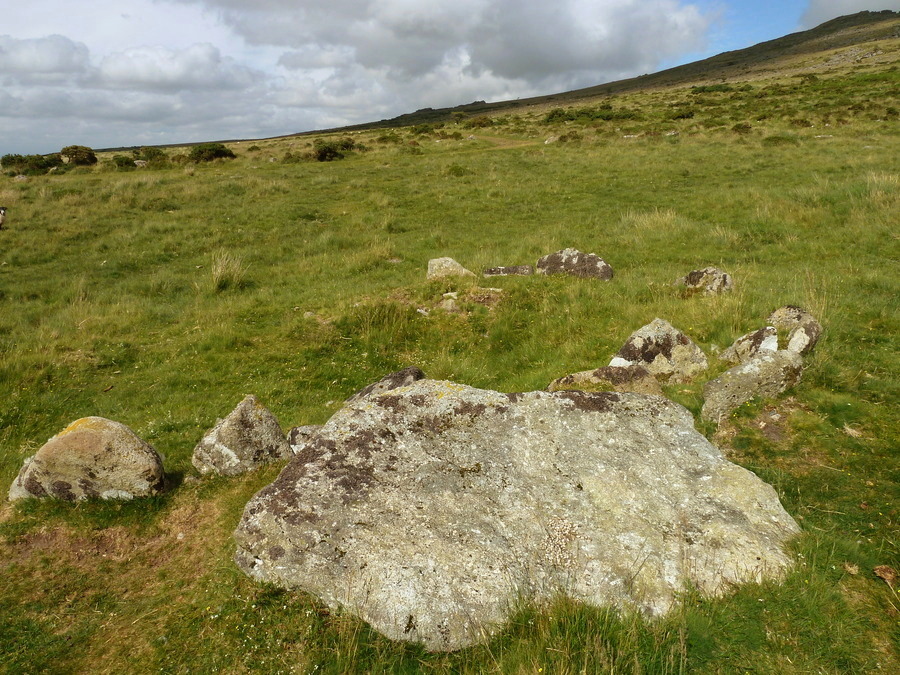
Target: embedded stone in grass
[
  {"x": 575, "y": 263},
  {"x": 400, "y": 378},
  {"x": 635, "y": 379},
  {"x": 93, "y": 457},
  {"x": 801, "y": 327},
  {"x": 440, "y": 268},
  {"x": 664, "y": 350},
  {"x": 431, "y": 510},
  {"x": 766, "y": 375},
  {"x": 511, "y": 270},
  {"x": 248, "y": 438},
  {"x": 709, "y": 281},
  {"x": 749, "y": 345}
]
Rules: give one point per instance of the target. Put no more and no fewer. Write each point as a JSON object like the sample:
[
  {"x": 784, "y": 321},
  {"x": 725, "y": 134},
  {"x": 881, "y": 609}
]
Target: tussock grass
[
  {"x": 228, "y": 270},
  {"x": 159, "y": 299}
]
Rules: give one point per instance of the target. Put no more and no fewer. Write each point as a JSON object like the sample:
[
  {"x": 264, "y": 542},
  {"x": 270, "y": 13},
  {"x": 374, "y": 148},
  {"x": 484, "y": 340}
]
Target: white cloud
[
  {"x": 45, "y": 59},
  {"x": 198, "y": 67},
  {"x": 206, "y": 69},
  {"x": 820, "y": 11}
]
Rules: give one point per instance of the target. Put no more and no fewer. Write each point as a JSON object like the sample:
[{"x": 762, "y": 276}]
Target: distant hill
[{"x": 805, "y": 51}]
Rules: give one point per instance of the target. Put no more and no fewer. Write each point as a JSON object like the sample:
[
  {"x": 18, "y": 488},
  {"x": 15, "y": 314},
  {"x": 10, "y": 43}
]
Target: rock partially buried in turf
[
  {"x": 441, "y": 268},
  {"x": 431, "y": 510},
  {"x": 709, "y": 281},
  {"x": 400, "y": 378},
  {"x": 766, "y": 375},
  {"x": 665, "y": 351},
  {"x": 512, "y": 270},
  {"x": 93, "y": 457},
  {"x": 635, "y": 379},
  {"x": 749, "y": 345},
  {"x": 245, "y": 440},
  {"x": 575, "y": 263},
  {"x": 801, "y": 328}
]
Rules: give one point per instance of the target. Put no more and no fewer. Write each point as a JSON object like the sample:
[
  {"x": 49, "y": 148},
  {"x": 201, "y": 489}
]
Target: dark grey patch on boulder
[
  {"x": 575, "y": 263},
  {"x": 636, "y": 379},
  {"x": 511, "y": 270},
  {"x": 300, "y": 436},
  {"x": 245, "y": 440},
  {"x": 400, "y": 378},
  {"x": 590, "y": 401},
  {"x": 433, "y": 537}
]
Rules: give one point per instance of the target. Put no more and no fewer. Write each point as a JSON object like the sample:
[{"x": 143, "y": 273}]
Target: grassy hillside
[{"x": 159, "y": 297}]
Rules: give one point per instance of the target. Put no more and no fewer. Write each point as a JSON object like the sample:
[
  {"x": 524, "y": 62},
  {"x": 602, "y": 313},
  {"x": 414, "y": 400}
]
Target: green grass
[{"x": 159, "y": 298}]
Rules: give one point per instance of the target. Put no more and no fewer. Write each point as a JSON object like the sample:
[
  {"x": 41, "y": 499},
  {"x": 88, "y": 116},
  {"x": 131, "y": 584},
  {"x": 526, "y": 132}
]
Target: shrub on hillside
[
  {"x": 326, "y": 150},
  {"x": 479, "y": 122},
  {"x": 207, "y": 152},
  {"x": 151, "y": 155},
  {"x": 78, "y": 155},
  {"x": 123, "y": 162},
  {"x": 30, "y": 165},
  {"x": 603, "y": 113}
]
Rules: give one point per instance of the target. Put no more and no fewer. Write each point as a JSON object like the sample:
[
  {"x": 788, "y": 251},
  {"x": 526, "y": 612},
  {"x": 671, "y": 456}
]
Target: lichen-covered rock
[
  {"x": 709, "y": 281},
  {"x": 400, "y": 378},
  {"x": 298, "y": 437},
  {"x": 664, "y": 350},
  {"x": 432, "y": 509},
  {"x": 440, "y": 268},
  {"x": 800, "y": 327},
  {"x": 749, "y": 345},
  {"x": 512, "y": 270},
  {"x": 245, "y": 440},
  {"x": 636, "y": 379},
  {"x": 575, "y": 263},
  {"x": 93, "y": 457},
  {"x": 766, "y": 375}
]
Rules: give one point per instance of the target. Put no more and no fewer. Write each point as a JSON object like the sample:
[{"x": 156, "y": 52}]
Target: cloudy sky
[{"x": 140, "y": 72}]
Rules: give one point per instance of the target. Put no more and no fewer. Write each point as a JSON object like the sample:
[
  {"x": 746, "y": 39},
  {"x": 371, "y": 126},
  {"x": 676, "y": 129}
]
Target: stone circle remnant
[
  {"x": 801, "y": 328},
  {"x": 246, "y": 439},
  {"x": 665, "y": 351},
  {"x": 441, "y": 268},
  {"x": 708, "y": 281},
  {"x": 575, "y": 263},
  {"x": 766, "y": 375},
  {"x": 91, "y": 458}
]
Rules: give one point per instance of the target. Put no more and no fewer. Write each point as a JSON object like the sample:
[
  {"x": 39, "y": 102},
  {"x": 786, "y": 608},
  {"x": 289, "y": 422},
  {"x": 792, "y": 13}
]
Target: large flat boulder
[
  {"x": 432, "y": 509},
  {"x": 665, "y": 351},
  {"x": 246, "y": 439},
  {"x": 91, "y": 458}
]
